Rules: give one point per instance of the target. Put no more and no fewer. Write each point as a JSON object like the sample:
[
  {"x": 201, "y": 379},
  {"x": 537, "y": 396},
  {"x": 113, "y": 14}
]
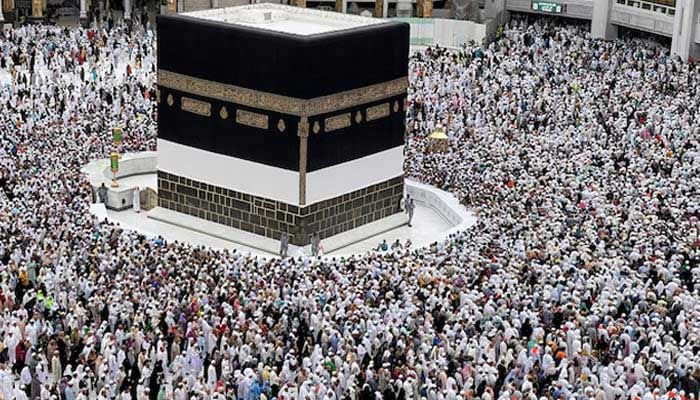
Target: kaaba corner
[{"x": 277, "y": 119}]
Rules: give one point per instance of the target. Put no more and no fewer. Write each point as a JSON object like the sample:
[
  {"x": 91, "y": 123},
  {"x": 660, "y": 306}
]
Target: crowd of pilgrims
[{"x": 579, "y": 280}]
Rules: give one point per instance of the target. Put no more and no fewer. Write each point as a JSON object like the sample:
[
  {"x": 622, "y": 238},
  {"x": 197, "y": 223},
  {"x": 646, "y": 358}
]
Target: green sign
[{"x": 546, "y": 6}]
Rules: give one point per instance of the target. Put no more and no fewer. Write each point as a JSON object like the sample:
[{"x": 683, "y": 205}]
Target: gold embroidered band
[
  {"x": 281, "y": 125},
  {"x": 255, "y": 120},
  {"x": 378, "y": 111},
  {"x": 282, "y": 104},
  {"x": 303, "y": 133},
  {"x": 337, "y": 122},
  {"x": 195, "y": 106}
]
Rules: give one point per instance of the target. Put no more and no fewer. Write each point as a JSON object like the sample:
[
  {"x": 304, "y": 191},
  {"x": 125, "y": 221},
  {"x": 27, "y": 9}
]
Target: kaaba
[{"x": 277, "y": 119}]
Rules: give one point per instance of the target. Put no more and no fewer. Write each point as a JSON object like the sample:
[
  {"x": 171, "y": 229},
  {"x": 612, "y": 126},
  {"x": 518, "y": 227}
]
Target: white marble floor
[
  {"x": 129, "y": 219},
  {"x": 428, "y": 226},
  {"x": 132, "y": 220}
]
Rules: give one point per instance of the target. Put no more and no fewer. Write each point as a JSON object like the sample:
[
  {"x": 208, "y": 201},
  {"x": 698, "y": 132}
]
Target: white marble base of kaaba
[
  {"x": 272, "y": 246},
  {"x": 438, "y": 214}
]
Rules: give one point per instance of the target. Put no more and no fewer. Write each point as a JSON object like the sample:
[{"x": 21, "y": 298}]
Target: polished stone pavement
[{"x": 428, "y": 226}]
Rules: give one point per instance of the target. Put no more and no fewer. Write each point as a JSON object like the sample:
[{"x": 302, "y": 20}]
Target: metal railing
[{"x": 650, "y": 6}]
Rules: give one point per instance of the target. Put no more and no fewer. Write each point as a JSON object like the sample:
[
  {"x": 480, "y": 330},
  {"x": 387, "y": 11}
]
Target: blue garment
[
  {"x": 334, "y": 343},
  {"x": 69, "y": 393},
  {"x": 266, "y": 388},
  {"x": 255, "y": 391}
]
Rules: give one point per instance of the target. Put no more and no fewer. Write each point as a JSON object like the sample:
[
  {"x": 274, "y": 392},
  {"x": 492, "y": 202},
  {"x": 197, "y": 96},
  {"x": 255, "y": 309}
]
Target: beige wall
[{"x": 231, "y": 3}]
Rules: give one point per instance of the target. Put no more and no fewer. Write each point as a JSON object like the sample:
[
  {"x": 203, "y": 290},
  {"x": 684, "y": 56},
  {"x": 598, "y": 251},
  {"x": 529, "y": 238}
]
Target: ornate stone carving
[
  {"x": 379, "y": 8},
  {"x": 249, "y": 118},
  {"x": 317, "y": 127},
  {"x": 170, "y": 100},
  {"x": 378, "y": 111},
  {"x": 223, "y": 113},
  {"x": 195, "y": 106},
  {"x": 396, "y": 106}
]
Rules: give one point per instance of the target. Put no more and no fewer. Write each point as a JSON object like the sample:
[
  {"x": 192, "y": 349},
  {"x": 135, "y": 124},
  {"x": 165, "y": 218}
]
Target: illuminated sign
[{"x": 546, "y": 6}]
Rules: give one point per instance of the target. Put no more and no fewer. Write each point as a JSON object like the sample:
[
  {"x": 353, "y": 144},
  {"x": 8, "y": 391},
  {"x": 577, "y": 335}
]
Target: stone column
[
  {"x": 427, "y": 9},
  {"x": 127, "y": 10},
  {"x": 5, "y": 5},
  {"x": 301, "y": 3},
  {"x": 601, "y": 28},
  {"x": 385, "y": 8},
  {"x": 378, "y": 8},
  {"x": 341, "y": 6},
  {"x": 419, "y": 8},
  {"x": 83, "y": 12},
  {"x": 404, "y": 8},
  {"x": 9, "y": 6},
  {"x": 214, "y": 3},
  {"x": 684, "y": 27},
  {"x": 37, "y": 9},
  {"x": 495, "y": 10}
]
